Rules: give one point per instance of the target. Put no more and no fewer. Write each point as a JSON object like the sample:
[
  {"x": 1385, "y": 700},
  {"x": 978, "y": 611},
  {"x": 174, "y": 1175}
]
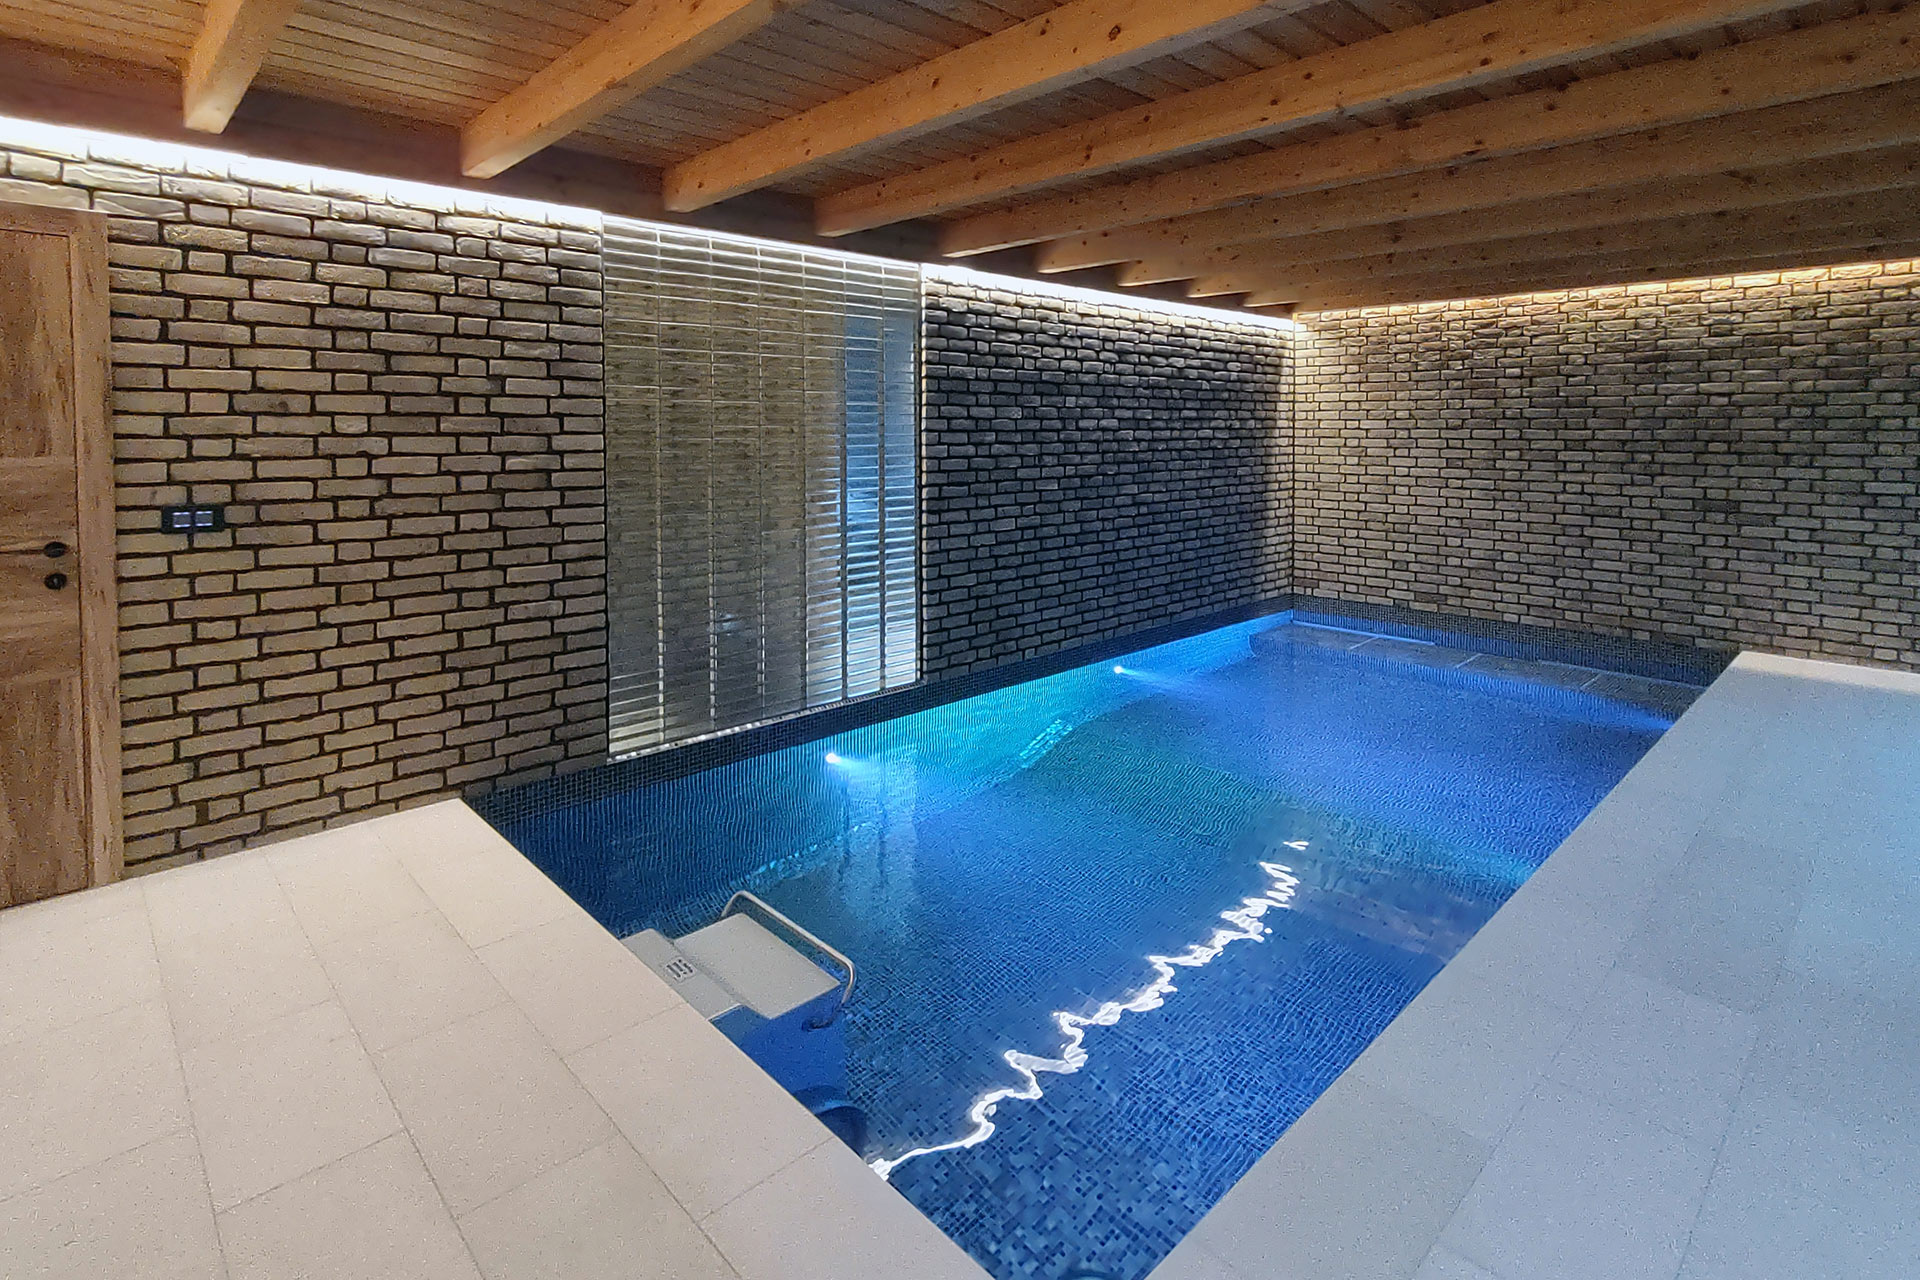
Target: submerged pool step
[{"x": 781, "y": 1008}]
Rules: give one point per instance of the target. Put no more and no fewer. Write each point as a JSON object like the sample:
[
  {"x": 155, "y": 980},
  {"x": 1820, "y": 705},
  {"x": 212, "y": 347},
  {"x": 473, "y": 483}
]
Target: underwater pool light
[
  {"x": 1119, "y": 670},
  {"x": 834, "y": 757}
]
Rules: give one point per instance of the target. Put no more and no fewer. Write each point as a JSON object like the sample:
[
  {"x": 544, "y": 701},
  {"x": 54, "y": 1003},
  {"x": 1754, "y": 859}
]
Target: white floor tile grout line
[
  {"x": 1739, "y": 1094},
  {"x": 373, "y": 1061},
  {"x": 179, "y": 1066}
]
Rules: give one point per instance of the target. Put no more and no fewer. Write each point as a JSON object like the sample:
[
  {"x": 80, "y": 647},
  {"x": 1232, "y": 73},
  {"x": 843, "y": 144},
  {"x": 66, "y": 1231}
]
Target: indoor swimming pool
[{"x": 1117, "y": 928}]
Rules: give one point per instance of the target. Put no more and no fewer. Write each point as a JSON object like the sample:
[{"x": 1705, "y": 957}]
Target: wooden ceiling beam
[
  {"x": 1561, "y": 277},
  {"x": 1835, "y": 178},
  {"x": 1835, "y": 126},
  {"x": 1834, "y": 57},
  {"x": 643, "y": 46},
  {"x": 1072, "y": 42},
  {"x": 1884, "y": 215},
  {"x": 234, "y": 38},
  {"x": 1505, "y": 38}
]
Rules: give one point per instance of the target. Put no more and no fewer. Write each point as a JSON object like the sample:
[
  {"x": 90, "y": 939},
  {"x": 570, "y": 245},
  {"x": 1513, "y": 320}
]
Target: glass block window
[{"x": 762, "y": 441}]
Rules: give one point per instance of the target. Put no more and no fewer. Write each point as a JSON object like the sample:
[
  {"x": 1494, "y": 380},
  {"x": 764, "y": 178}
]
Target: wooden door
[{"x": 59, "y": 687}]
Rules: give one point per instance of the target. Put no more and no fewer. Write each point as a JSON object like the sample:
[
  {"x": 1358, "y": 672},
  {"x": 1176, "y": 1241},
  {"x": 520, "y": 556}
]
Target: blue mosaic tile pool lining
[{"x": 1183, "y": 891}]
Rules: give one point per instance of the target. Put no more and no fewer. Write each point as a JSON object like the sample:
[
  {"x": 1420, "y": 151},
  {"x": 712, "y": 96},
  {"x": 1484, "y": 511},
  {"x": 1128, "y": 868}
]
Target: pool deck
[{"x": 1689, "y": 1046}]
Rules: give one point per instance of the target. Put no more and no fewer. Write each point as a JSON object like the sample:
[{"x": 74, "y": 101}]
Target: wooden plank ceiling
[{"x": 1309, "y": 154}]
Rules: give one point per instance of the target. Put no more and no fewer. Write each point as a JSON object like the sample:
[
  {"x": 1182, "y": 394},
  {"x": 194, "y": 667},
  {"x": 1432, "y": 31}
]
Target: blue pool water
[{"x": 1118, "y": 928}]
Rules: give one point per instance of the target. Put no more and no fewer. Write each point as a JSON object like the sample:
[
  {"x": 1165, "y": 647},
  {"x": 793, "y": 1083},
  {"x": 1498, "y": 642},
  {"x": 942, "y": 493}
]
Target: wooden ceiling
[{"x": 1306, "y": 154}]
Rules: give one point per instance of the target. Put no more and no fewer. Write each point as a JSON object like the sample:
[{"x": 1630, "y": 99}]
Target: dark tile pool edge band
[
  {"x": 666, "y": 763},
  {"x": 1658, "y": 660},
  {"x": 1652, "y": 659}
]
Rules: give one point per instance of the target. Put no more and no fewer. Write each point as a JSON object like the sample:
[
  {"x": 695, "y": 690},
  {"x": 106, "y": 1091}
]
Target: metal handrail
[{"x": 805, "y": 935}]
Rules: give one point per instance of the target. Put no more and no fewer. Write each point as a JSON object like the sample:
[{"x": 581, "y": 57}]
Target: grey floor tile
[
  {"x": 827, "y": 1217},
  {"x": 1444, "y": 1264},
  {"x": 1844, "y": 1054},
  {"x": 233, "y": 957},
  {"x": 1799, "y": 1194},
  {"x": 486, "y": 889},
  {"x": 490, "y": 1105},
  {"x": 1661, "y": 1055},
  {"x": 1191, "y": 1260},
  {"x": 1469, "y": 1050},
  {"x": 65, "y": 965},
  {"x": 344, "y": 882},
  {"x": 276, "y": 1104},
  {"x": 602, "y": 1215},
  {"x": 1375, "y": 1176},
  {"x": 576, "y": 981},
  {"x": 1859, "y": 928},
  {"x": 1723, "y": 922},
  {"x": 652, "y": 1077},
  {"x": 94, "y": 1089},
  {"x": 1701, "y": 758},
  {"x": 444, "y": 980},
  {"x": 1581, "y": 1190},
  {"x": 143, "y": 1213},
  {"x": 1619, "y": 860},
  {"x": 1547, "y": 946},
  {"x": 372, "y": 1215}
]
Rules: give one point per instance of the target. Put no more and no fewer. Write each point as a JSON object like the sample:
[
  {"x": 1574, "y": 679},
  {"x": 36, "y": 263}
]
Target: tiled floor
[
  {"x": 396, "y": 1052},
  {"x": 1688, "y": 1048}
]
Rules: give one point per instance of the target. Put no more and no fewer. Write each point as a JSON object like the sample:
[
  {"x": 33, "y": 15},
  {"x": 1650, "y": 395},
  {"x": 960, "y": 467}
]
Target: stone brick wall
[
  {"x": 1092, "y": 470},
  {"x": 1733, "y": 463},
  {"x": 399, "y": 401}
]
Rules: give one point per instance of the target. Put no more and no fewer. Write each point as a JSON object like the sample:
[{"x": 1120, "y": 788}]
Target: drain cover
[{"x": 680, "y": 969}]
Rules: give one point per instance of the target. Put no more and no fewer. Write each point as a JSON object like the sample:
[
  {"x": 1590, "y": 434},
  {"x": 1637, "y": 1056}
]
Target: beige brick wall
[
  {"x": 399, "y": 401},
  {"x": 1731, "y": 462}
]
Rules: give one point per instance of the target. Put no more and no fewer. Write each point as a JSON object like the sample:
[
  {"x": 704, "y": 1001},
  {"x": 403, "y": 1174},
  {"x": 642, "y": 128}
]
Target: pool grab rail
[{"x": 762, "y": 907}]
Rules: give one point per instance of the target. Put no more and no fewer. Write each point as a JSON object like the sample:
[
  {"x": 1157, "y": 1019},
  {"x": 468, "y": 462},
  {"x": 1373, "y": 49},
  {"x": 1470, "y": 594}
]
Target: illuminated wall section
[{"x": 1731, "y": 462}]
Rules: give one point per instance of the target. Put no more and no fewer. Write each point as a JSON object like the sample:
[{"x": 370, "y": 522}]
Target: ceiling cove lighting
[
  {"x": 1101, "y": 298},
  {"x": 1552, "y": 297},
  {"x": 184, "y": 158}
]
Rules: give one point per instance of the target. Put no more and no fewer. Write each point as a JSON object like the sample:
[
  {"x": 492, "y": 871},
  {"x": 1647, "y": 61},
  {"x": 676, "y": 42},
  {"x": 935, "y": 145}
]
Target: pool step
[
  {"x": 734, "y": 963},
  {"x": 758, "y": 990}
]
